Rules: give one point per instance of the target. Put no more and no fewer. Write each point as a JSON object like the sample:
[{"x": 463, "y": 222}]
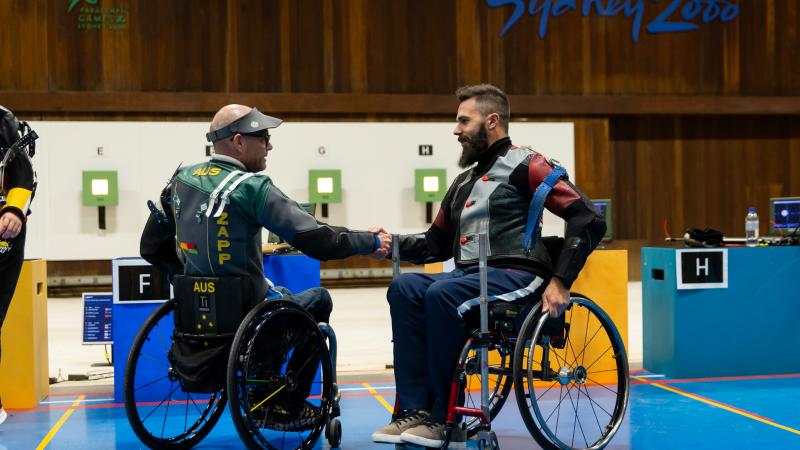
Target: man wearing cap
[
  {"x": 17, "y": 184},
  {"x": 209, "y": 218}
]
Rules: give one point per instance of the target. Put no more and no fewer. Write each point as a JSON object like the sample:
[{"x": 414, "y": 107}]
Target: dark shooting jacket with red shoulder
[{"x": 494, "y": 197}]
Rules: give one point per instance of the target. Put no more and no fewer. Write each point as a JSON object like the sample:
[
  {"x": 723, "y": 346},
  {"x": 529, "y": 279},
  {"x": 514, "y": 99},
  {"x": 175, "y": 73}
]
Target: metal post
[
  {"x": 395, "y": 256},
  {"x": 483, "y": 248}
]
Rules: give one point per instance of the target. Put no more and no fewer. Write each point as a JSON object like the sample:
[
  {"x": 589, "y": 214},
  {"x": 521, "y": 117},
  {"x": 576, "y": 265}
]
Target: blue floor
[{"x": 741, "y": 413}]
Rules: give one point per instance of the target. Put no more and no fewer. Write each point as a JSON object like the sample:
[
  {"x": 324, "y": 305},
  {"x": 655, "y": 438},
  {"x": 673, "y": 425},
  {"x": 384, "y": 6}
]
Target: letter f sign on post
[
  {"x": 701, "y": 268},
  {"x": 143, "y": 283}
]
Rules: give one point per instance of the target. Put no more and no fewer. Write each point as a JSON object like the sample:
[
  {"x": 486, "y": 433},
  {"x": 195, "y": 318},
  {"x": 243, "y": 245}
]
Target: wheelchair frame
[
  {"x": 534, "y": 324},
  {"x": 209, "y": 415}
]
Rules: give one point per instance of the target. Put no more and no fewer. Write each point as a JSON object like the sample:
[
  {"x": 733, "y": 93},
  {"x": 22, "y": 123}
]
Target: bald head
[{"x": 225, "y": 116}]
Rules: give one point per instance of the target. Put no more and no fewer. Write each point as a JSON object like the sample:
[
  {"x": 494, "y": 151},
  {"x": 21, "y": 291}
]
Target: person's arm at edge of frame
[
  {"x": 20, "y": 187},
  {"x": 585, "y": 228}
]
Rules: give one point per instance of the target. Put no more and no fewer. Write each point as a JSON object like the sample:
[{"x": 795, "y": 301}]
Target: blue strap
[
  {"x": 272, "y": 294},
  {"x": 533, "y": 229}
]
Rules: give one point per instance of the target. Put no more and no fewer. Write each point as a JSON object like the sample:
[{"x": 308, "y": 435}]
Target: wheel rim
[
  {"x": 581, "y": 400},
  {"x": 160, "y": 412},
  {"x": 264, "y": 385}
]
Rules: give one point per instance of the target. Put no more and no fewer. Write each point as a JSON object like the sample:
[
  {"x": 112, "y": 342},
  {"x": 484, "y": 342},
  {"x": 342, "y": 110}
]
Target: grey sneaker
[
  {"x": 390, "y": 434},
  {"x": 432, "y": 434}
]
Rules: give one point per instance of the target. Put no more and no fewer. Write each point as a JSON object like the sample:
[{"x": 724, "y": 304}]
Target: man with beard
[{"x": 492, "y": 197}]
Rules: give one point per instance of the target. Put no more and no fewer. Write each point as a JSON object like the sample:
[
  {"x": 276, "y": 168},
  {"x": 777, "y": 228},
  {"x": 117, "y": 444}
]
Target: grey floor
[{"x": 360, "y": 319}]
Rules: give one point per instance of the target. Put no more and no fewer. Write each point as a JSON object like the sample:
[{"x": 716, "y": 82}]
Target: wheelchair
[
  {"x": 275, "y": 367},
  {"x": 570, "y": 375}
]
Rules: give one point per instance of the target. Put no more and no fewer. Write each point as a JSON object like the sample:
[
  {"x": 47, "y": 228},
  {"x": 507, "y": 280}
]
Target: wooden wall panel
[
  {"x": 75, "y": 61},
  {"x": 393, "y": 46},
  {"x": 700, "y": 172},
  {"x": 693, "y": 127},
  {"x": 256, "y": 41},
  {"x": 305, "y": 33},
  {"x": 23, "y": 45}
]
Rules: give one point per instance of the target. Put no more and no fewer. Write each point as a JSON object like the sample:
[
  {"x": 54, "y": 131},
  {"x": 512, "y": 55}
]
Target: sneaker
[
  {"x": 3, "y": 415},
  {"x": 280, "y": 419},
  {"x": 432, "y": 434},
  {"x": 390, "y": 434}
]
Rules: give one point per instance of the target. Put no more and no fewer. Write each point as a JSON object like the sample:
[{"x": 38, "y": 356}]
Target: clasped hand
[{"x": 386, "y": 242}]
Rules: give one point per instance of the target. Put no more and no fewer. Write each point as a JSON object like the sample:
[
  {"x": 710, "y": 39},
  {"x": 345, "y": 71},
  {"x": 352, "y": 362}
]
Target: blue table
[
  {"x": 749, "y": 328},
  {"x": 295, "y": 272}
]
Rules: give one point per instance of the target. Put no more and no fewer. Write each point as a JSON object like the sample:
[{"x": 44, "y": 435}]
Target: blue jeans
[{"x": 429, "y": 332}]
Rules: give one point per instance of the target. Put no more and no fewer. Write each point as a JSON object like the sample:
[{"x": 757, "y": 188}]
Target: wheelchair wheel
[
  {"x": 161, "y": 414},
  {"x": 571, "y": 381},
  {"x": 500, "y": 379},
  {"x": 276, "y": 401}
]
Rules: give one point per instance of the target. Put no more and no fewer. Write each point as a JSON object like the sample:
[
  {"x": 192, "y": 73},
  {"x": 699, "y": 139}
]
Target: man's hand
[
  {"x": 386, "y": 242},
  {"x": 555, "y": 298},
  {"x": 10, "y": 225}
]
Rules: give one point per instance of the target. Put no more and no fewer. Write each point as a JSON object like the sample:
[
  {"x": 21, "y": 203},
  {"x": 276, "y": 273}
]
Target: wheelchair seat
[
  {"x": 208, "y": 311},
  {"x": 211, "y": 307}
]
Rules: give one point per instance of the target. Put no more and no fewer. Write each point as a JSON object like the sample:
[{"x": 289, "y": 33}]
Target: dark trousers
[
  {"x": 429, "y": 333},
  {"x": 12, "y": 253}
]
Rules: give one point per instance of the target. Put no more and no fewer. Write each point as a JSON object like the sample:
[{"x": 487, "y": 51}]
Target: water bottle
[{"x": 751, "y": 228}]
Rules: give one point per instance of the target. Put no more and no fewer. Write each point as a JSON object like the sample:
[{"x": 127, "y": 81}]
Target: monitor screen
[
  {"x": 604, "y": 206},
  {"x": 785, "y": 213}
]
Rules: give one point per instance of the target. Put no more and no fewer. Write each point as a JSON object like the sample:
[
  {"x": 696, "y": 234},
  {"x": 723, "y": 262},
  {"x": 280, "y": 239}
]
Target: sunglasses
[{"x": 263, "y": 135}]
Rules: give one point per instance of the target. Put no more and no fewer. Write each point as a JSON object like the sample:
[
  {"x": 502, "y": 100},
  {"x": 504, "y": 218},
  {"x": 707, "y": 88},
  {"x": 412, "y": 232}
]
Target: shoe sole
[
  {"x": 383, "y": 438},
  {"x": 424, "y": 442}
]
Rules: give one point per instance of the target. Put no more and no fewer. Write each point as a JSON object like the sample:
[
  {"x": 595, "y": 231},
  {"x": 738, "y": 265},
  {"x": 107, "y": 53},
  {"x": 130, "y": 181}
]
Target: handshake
[{"x": 386, "y": 243}]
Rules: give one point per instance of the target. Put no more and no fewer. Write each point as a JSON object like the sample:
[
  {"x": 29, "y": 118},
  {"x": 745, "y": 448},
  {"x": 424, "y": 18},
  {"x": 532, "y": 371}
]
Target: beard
[{"x": 473, "y": 146}]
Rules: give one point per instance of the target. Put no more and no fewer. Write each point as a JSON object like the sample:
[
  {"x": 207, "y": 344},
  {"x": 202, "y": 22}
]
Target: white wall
[{"x": 377, "y": 162}]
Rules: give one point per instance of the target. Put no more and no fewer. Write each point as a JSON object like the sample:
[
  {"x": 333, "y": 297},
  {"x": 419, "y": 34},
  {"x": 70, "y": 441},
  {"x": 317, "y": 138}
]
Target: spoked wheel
[
  {"x": 276, "y": 401},
  {"x": 161, "y": 414},
  {"x": 571, "y": 382},
  {"x": 500, "y": 379}
]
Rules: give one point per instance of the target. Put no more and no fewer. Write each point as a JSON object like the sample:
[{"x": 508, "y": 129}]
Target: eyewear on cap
[{"x": 263, "y": 135}]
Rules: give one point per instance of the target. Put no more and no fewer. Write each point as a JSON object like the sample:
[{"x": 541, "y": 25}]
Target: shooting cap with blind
[{"x": 251, "y": 123}]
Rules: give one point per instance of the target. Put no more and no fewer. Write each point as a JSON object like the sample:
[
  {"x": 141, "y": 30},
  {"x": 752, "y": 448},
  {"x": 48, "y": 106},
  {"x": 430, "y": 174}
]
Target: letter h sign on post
[{"x": 701, "y": 268}]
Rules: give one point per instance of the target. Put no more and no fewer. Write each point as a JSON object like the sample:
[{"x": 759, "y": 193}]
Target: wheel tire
[
  {"x": 199, "y": 429},
  {"x": 529, "y": 338},
  {"x": 333, "y": 432},
  {"x": 280, "y": 312}
]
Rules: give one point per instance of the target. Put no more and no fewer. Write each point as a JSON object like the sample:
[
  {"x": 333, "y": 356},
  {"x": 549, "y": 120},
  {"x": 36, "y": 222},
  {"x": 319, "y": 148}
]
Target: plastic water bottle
[{"x": 751, "y": 228}]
